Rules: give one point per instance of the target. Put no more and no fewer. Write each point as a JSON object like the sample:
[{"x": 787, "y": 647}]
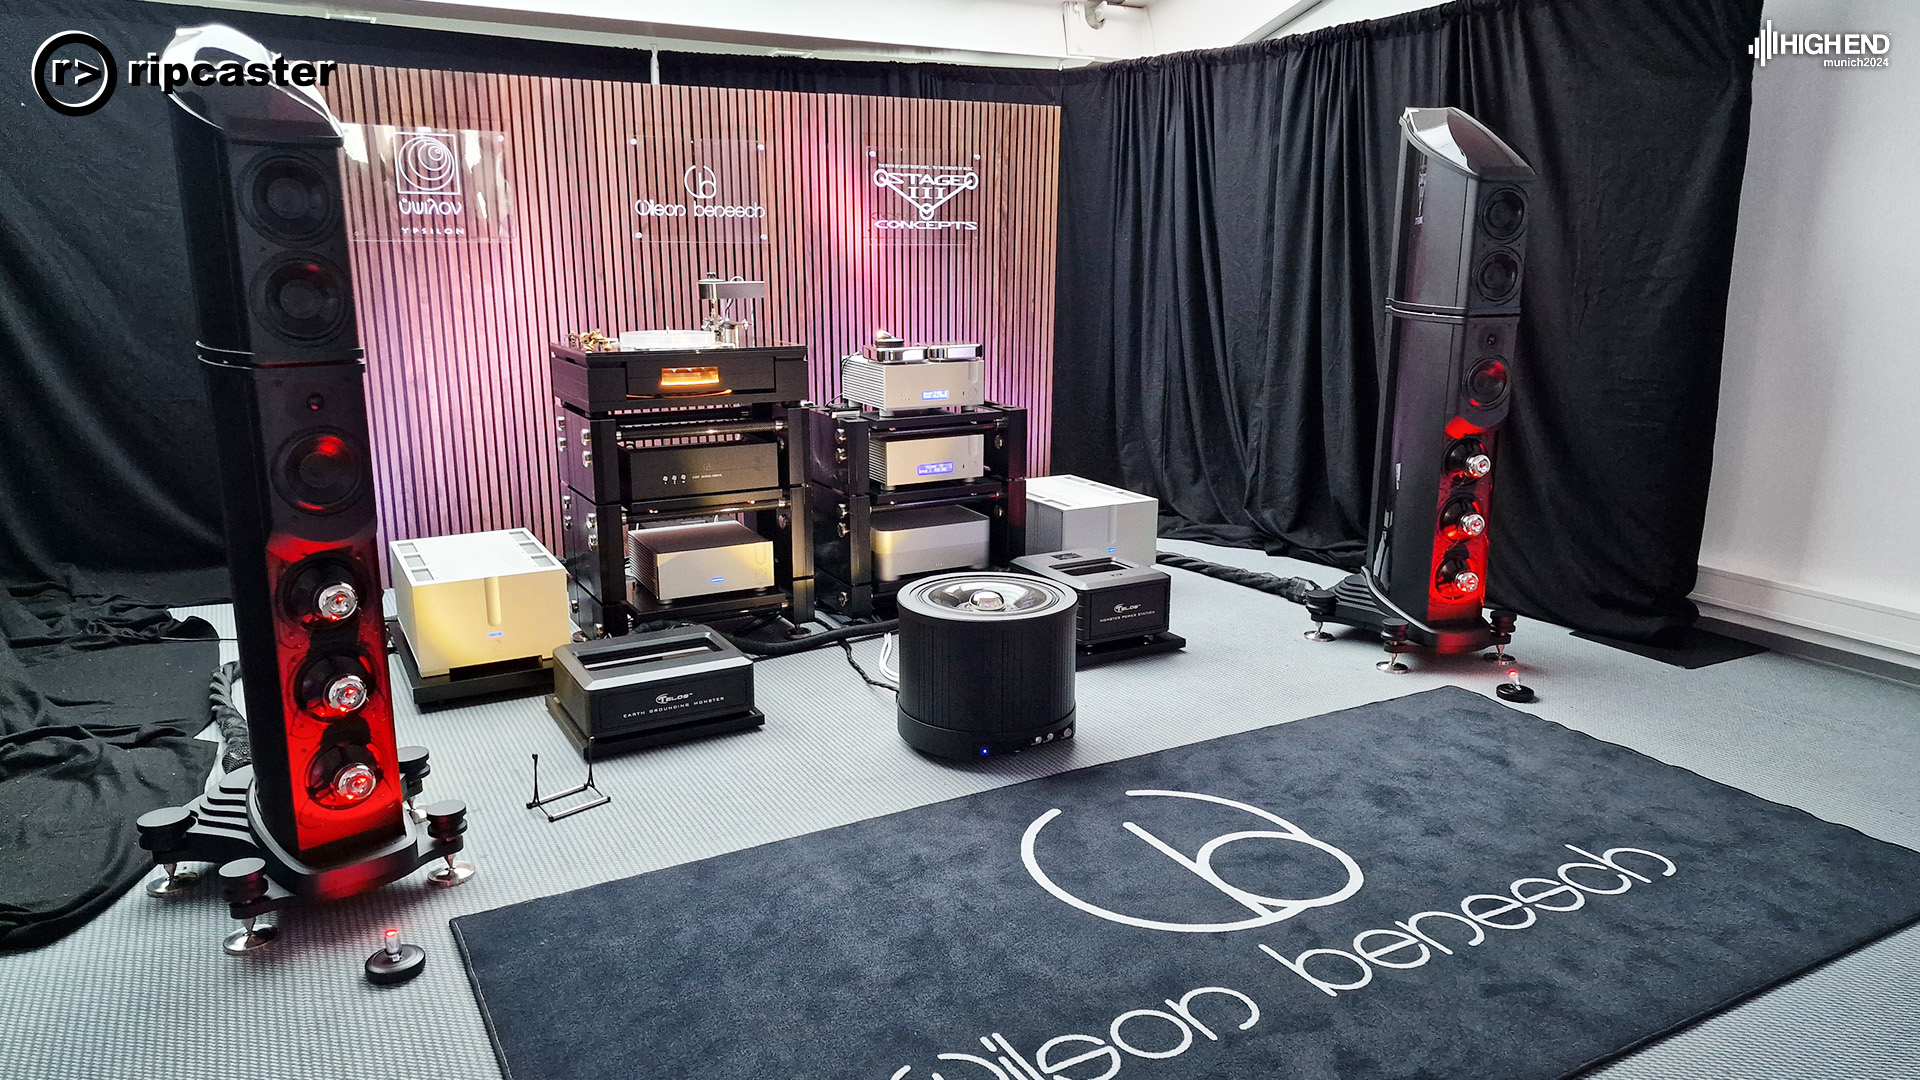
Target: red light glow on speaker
[
  {"x": 351, "y": 818},
  {"x": 354, "y": 783},
  {"x": 1460, "y": 428}
]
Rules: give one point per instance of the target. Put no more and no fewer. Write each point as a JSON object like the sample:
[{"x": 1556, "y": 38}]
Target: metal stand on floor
[{"x": 540, "y": 802}]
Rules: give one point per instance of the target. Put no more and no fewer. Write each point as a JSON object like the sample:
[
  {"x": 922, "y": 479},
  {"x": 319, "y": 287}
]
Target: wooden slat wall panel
[{"x": 456, "y": 332}]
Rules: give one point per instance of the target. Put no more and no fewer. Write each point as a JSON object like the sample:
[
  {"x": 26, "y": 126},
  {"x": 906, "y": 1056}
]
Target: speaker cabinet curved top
[
  {"x": 266, "y": 238},
  {"x": 1453, "y": 312},
  {"x": 267, "y": 242}
]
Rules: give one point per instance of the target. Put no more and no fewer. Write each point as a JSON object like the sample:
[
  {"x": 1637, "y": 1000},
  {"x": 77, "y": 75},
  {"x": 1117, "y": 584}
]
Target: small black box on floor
[
  {"x": 623, "y": 693},
  {"x": 1123, "y": 609}
]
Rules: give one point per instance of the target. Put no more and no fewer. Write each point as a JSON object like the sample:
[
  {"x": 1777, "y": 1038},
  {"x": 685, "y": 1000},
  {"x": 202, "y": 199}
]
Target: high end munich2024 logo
[{"x": 926, "y": 188}]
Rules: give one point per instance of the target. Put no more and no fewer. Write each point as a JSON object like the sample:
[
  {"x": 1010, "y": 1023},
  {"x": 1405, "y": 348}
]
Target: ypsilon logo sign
[
  {"x": 431, "y": 185},
  {"x": 426, "y": 177},
  {"x": 1266, "y": 910},
  {"x": 426, "y": 172},
  {"x": 925, "y": 188},
  {"x": 1838, "y": 50},
  {"x": 1173, "y": 1026}
]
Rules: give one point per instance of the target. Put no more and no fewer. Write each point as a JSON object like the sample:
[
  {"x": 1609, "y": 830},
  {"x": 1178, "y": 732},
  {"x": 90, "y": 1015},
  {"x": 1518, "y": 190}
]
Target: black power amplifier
[
  {"x": 663, "y": 472},
  {"x": 1118, "y": 599},
  {"x": 624, "y": 693}
]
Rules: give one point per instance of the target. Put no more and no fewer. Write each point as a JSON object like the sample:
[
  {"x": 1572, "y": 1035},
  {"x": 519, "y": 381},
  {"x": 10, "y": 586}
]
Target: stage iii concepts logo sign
[
  {"x": 921, "y": 189},
  {"x": 1266, "y": 910}
]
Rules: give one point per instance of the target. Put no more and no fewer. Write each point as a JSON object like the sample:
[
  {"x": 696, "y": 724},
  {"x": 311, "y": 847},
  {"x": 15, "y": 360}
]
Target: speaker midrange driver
[{"x": 986, "y": 664}]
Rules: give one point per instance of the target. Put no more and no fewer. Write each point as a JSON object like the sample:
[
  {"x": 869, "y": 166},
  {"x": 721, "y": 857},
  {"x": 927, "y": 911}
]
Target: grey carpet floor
[{"x": 146, "y": 992}]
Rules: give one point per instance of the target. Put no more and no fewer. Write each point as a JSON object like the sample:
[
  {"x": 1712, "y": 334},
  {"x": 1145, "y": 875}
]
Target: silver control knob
[
  {"x": 347, "y": 693},
  {"x": 1467, "y": 581},
  {"x": 1472, "y": 524},
  {"x": 355, "y": 782},
  {"x": 337, "y": 601},
  {"x": 1479, "y": 465}
]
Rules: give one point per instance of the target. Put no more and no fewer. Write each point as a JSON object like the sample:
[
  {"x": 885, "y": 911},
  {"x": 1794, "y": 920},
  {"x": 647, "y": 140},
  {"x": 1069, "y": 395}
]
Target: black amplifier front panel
[
  {"x": 663, "y": 472},
  {"x": 1137, "y": 609}
]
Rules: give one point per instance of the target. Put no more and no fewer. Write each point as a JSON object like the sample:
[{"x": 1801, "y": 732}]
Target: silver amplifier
[
  {"x": 921, "y": 383},
  {"x": 922, "y": 539},
  {"x": 679, "y": 561},
  {"x": 897, "y": 463}
]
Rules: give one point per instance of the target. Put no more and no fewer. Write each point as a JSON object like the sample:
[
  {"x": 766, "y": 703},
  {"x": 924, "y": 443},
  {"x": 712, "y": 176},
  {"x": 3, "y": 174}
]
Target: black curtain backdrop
[
  {"x": 106, "y": 459},
  {"x": 1224, "y": 245},
  {"x": 1223, "y": 252}
]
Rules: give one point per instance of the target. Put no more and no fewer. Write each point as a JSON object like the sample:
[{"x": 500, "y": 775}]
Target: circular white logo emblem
[
  {"x": 1266, "y": 910},
  {"x": 700, "y": 182}
]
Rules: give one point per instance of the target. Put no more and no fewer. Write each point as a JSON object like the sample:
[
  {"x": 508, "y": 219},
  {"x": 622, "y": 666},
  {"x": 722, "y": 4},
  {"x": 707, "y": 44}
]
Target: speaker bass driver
[{"x": 986, "y": 664}]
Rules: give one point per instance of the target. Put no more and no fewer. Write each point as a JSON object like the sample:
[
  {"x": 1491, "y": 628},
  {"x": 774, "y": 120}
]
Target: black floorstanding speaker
[
  {"x": 1453, "y": 314},
  {"x": 327, "y": 806}
]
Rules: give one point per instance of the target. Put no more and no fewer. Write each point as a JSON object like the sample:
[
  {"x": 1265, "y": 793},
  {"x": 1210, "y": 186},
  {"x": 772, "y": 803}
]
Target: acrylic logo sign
[
  {"x": 434, "y": 185},
  {"x": 1265, "y": 910},
  {"x": 925, "y": 187}
]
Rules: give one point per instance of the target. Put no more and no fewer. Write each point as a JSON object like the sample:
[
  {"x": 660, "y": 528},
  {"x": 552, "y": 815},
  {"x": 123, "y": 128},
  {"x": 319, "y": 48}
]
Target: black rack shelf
[
  {"x": 843, "y": 496},
  {"x": 630, "y": 455}
]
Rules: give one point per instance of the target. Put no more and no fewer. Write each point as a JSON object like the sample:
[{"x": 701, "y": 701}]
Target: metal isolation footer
[{"x": 259, "y": 877}]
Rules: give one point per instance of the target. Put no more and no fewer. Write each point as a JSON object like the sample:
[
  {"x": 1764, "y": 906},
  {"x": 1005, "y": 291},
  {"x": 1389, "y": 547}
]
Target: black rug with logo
[{"x": 1432, "y": 887}]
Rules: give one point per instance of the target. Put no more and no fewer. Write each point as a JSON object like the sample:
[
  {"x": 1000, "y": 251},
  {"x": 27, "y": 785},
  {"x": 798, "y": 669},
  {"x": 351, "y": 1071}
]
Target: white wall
[
  {"x": 1015, "y": 33},
  {"x": 1335, "y": 12},
  {"x": 1008, "y": 33},
  {"x": 1181, "y": 25},
  {"x": 1814, "y": 517}
]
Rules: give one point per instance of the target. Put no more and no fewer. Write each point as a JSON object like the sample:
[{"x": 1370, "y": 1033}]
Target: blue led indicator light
[
  {"x": 496, "y": 633},
  {"x": 718, "y": 580},
  {"x": 934, "y": 468},
  {"x": 983, "y": 751},
  {"x": 933, "y": 395}
]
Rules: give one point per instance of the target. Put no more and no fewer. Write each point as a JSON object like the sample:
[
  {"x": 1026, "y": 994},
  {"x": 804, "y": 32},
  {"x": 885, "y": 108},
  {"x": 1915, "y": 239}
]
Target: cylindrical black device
[{"x": 986, "y": 664}]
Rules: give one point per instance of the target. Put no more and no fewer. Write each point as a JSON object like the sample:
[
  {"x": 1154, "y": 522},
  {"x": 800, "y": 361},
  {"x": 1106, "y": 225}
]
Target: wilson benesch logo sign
[{"x": 1169, "y": 1026}]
